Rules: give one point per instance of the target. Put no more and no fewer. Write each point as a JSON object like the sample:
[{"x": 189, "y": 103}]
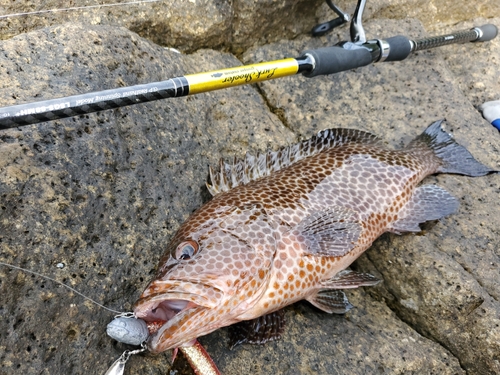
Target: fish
[{"x": 285, "y": 225}]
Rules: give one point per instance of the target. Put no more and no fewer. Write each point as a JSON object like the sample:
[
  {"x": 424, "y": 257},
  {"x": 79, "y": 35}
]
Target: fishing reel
[{"x": 356, "y": 29}]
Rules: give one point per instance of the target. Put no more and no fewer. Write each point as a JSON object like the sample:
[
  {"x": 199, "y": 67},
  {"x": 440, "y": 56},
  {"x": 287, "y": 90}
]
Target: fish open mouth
[
  {"x": 166, "y": 310},
  {"x": 164, "y": 320},
  {"x": 167, "y": 306}
]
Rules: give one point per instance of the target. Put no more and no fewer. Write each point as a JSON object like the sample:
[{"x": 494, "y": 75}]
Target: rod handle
[
  {"x": 399, "y": 48},
  {"x": 330, "y": 60}
]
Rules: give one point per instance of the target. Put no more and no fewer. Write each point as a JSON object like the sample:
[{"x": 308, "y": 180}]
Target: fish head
[{"x": 215, "y": 268}]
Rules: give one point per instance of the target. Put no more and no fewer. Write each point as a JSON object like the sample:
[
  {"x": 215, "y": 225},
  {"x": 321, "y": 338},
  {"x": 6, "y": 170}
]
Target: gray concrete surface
[{"x": 103, "y": 193}]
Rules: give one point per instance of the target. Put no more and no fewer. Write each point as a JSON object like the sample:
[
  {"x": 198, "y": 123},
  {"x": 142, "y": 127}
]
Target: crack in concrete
[
  {"x": 466, "y": 269},
  {"x": 410, "y": 325},
  {"x": 279, "y": 112}
]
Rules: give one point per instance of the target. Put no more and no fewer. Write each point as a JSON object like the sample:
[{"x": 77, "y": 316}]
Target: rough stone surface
[
  {"x": 184, "y": 24},
  {"x": 370, "y": 339},
  {"x": 233, "y": 25},
  {"x": 469, "y": 72},
  {"x": 434, "y": 14},
  {"x": 266, "y": 21},
  {"x": 103, "y": 193},
  {"x": 445, "y": 283}
]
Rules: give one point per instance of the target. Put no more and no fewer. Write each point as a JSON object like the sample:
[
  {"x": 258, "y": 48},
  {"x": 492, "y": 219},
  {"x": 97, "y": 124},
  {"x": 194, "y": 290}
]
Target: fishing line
[
  {"x": 124, "y": 328},
  {"x": 77, "y": 8},
  {"x": 60, "y": 283}
]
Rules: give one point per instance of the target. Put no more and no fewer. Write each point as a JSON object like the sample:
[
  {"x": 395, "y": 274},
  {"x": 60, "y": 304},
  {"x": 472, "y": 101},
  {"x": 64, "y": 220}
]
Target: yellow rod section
[{"x": 241, "y": 75}]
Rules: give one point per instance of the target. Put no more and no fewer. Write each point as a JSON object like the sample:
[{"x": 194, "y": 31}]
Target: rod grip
[
  {"x": 330, "y": 60},
  {"x": 400, "y": 48}
]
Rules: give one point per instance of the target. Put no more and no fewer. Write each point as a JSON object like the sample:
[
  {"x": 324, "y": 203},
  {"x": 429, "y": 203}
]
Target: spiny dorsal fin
[{"x": 251, "y": 168}]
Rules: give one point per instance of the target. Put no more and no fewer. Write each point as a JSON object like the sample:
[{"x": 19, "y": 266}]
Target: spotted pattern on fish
[{"x": 284, "y": 226}]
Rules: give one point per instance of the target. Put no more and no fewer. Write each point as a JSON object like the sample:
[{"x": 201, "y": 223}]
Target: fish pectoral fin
[
  {"x": 260, "y": 330},
  {"x": 348, "y": 279},
  {"x": 428, "y": 202},
  {"x": 331, "y": 301},
  {"x": 331, "y": 232}
]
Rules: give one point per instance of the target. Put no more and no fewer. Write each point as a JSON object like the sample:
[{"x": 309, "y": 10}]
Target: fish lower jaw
[
  {"x": 185, "y": 327},
  {"x": 161, "y": 316},
  {"x": 171, "y": 336}
]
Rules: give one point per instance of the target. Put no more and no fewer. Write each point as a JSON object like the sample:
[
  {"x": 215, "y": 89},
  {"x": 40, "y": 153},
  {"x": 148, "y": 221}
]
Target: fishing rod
[
  {"x": 323, "y": 61},
  {"x": 76, "y": 8}
]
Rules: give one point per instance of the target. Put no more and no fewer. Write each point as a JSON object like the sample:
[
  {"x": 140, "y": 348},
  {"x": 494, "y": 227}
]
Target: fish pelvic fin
[
  {"x": 428, "y": 202},
  {"x": 453, "y": 157},
  {"x": 331, "y": 299},
  {"x": 348, "y": 279}
]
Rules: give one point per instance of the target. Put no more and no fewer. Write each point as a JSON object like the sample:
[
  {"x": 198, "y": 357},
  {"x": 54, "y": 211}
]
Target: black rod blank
[{"x": 53, "y": 109}]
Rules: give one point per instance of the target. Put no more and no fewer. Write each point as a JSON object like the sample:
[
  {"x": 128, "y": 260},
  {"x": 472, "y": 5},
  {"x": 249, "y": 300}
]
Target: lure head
[
  {"x": 216, "y": 267},
  {"x": 128, "y": 330}
]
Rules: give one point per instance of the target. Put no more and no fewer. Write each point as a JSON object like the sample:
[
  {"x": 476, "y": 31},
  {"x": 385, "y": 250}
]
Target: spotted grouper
[{"x": 284, "y": 226}]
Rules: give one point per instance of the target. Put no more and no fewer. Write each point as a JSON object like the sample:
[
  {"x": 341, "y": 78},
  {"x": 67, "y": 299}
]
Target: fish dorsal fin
[{"x": 251, "y": 168}]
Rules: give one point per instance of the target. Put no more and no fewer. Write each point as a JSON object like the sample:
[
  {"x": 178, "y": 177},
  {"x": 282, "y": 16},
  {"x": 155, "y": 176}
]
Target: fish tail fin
[{"x": 453, "y": 158}]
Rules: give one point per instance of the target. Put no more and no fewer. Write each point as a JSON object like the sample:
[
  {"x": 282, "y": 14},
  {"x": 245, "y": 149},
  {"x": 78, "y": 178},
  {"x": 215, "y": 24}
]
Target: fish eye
[{"x": 186, "y": 250}]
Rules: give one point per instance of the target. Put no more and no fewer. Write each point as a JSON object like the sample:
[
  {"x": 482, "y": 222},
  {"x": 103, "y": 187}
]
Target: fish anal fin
[
  {"x": 331, "y": 301},
  {"x": 260, "y": 330},
  {"x": 331, "y": 232},
  {"x": 428, "y": 202},
  {"x": 348, "y": 279}
]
